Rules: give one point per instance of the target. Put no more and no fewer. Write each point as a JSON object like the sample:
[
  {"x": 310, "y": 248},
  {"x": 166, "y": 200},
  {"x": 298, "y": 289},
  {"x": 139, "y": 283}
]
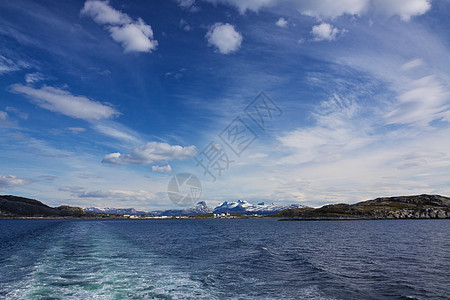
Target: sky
[{"x": 305, "y": 102}]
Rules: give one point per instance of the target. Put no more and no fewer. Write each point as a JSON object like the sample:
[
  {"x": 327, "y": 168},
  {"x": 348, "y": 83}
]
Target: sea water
[{"x": 224, "y": 259}]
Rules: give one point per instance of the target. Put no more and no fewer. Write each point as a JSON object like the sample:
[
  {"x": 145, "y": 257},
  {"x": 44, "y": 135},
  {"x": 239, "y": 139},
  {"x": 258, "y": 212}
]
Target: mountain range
[
  {"x": 401, "y": 207},
  {"x": 239, "y": 207},
  {"x": 243, "y": 207}
]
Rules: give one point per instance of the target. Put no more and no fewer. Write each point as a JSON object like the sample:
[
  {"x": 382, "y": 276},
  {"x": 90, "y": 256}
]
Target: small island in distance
[{"x": 401, "y": 207}]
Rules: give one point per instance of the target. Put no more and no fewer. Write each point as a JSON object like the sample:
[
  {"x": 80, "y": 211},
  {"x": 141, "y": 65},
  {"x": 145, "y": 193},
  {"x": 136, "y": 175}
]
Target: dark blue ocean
[{"x": 224, "y": 259}]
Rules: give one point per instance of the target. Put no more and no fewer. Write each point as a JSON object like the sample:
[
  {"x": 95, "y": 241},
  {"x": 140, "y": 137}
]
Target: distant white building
[{"x": 222, "y": 215}]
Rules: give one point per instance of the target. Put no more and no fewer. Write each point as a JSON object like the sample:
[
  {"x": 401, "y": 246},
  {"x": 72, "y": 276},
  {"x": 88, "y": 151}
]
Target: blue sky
[{"x": 102, "y": 102}]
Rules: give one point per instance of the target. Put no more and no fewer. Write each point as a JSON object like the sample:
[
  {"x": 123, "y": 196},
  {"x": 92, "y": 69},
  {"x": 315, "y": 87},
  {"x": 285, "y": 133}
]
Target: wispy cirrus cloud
[
  {"x": 76, "y": 130},
  {"x": 330, "y": 9},
  {"x": 117, "y": 131},
  {"x": 348, "y": 155},
  {"x": 3, "y": 115},
  {"x": 5, "y": 119},
  {"x": 98, "y": 115},
  {"x": 134, "y": 36},
  {"x": 417, "y": 79},
  {"x": 50, "y": 178},
  {"x": 34, "y": 77},
  {"x": 412, "y": 64},
  {"x": 424, "y": 101},
  {"x": 8, "y": 65},
  {"x": 337, "y": 130},
  {"x": 62, "y": 101},
  {"x": 17, "y": 112},
  {"x": 245, "y": 5},
  {"x": 82, "y": 192}
]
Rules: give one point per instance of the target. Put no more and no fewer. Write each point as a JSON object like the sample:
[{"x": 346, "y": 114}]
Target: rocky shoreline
[{"x": 403, "y": 207}]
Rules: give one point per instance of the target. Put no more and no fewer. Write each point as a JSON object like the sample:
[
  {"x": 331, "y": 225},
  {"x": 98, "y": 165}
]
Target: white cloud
[
  {"x": 316, "y": 8},
  {"x": 150, "y": 153},
  {"x": 412, "y": 64},
  {"x": 50, "y": 178},
  {"x": 61, "y": 101},
  {"x": 184, "y": 25},
  {"x": 176, "y": 74},
  {"x": 162, "y": 169},
  {"x": 324, "y": 32},
  {"x": 117, "y": 131},
  {"x": 111, "y": 194},
  {"x": 281, "y": 22},
  {"x": 188, "y": 4},
  {"x": 224, "y": 37},
  {"x": 5, "y": 120},
  {"x": 349, "y": 152},
  {"x": 331, "y": 9},
  {"x": 244, "y": 5},
  {"x": 34, "y": 77},
  {"x": 333, "y": 134},
  {"x": 424, "y": 101},
  {"x": 76, "y": 130},
  {"x": 102, "y": 13},
  {"x": 388, "y": 166},
  {"x": 9, "y": 181},
  {"x": 81, "y": 192},
  {"x": 134, "y": 36},
  {"x": 22, "y": 115},
  {"x": 3, "y": 115},
  {"x": 7, "y": 65},
  {"x": 415, "y": 72},
  {"x": 405, "y": 9}
]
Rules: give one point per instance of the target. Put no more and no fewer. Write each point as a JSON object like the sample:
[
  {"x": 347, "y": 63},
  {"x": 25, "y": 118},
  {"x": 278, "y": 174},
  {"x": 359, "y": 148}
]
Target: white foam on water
[
  {"x": 105, "y": 267},
  {"x": 313, "y": 293}
]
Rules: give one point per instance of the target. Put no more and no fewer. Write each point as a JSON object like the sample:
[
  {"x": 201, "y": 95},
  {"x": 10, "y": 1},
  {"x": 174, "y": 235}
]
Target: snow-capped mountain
[
  {"x": 242, "y": 206},
  {"x": 112, "y": 210},
  {"x": 201, "y": 208}
]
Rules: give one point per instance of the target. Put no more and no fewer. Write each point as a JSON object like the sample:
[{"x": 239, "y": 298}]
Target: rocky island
[
  {"x": 13, "y": 206},
  {"x": 403, "y": 207}
]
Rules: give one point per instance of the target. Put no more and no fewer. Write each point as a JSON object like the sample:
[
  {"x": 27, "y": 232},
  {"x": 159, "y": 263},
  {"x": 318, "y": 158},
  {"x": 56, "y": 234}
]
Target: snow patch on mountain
[
  {"x": 116, "y": 211},
  {"x": 201, "y": 208},
  {"x": 242, "y": 206}
]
